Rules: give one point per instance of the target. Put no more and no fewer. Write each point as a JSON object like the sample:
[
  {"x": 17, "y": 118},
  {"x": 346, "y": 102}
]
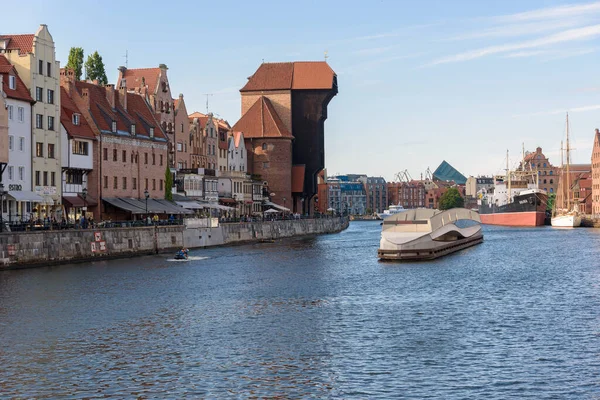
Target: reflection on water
[{"x": 313, "y": 317}]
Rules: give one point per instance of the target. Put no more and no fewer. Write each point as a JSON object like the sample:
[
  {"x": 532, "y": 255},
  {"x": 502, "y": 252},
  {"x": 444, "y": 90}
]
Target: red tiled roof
[
  {"x": 21, "y": 92},
  {"x": 202, "y": 118},
  {"x": 138, "y": 111},
  {"x": 133, "y": 78},
  {"x": 262, "y": 121},
  {"x": 291, "y": 75},
  {"x": 67, "y": 109},
  {"x": 298, "y": 178},
  {"x": 23, "y": 43},
  {"x": 312, "y": 75}
]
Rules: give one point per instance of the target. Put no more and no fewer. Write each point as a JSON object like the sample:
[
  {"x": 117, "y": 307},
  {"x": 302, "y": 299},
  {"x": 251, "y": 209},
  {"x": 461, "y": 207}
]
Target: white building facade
[
  {"x": 19, "y": 198},
  {"x": 237, "y": 158}
]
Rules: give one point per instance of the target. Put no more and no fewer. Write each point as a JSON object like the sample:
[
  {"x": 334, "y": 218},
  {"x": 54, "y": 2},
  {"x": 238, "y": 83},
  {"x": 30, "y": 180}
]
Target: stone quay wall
[{"x": 28, "y": 249}]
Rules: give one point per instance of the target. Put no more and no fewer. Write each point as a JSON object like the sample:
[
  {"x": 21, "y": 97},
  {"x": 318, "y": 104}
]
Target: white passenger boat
[
  {"x": 390, "y": 211},
  {"x": 425, "y": 234}
]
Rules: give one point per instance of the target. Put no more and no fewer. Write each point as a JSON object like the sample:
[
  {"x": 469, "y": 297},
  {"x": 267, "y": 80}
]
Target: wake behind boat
[{"x": 425, "y": 234}]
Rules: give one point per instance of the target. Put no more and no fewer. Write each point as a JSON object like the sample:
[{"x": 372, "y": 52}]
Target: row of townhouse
[{"x": 71, "y": 147}]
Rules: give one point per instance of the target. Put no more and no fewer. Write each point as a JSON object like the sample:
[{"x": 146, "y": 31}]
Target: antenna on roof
[
  {"x": 207, "y": 95},
  {"x": 126, "y": 59},
  {"x": 326, "y": 55}
]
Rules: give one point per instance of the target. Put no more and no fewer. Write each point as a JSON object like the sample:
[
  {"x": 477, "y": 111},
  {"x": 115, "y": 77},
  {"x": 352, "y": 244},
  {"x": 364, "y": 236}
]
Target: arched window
[
  {"x": 538, "y": 165},
  {"x": 544, "y": 181},
  {"x": 551, "y": 181},
  {"x": 551, "y": 190},
  {"x": 264, "y": 146},
  {"x": 544, "y": 165},
  {"x": 162, "y": 106},
  {"x": 550, "y": 172}
]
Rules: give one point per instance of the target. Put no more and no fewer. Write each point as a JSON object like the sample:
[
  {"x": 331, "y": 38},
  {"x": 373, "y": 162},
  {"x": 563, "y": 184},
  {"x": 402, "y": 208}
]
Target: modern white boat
[
  {"x": 425, "y": 234},
  {"x": 565, "y": 213},
  {"x": 390, "y": 211}
]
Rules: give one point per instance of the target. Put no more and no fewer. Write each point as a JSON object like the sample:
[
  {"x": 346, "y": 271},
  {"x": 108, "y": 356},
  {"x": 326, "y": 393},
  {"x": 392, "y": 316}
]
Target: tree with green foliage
[
  {"x": 168, "y": 184},
  {"x": 76, "y": 61},
  {"x": 550, "y": 201},
  {"x": 94, "y": 68},
  {"x": 451, "y": 199}
]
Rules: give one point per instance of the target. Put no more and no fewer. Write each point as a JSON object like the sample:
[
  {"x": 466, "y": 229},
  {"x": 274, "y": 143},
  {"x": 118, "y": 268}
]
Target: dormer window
[
  {"x": 133, "y": 129},
  {"x": 76, "y": 119},
  {"x": 114, "y": 126},
  {"x": 12, "y": 82},
  {"x": 151, "y": 132}
]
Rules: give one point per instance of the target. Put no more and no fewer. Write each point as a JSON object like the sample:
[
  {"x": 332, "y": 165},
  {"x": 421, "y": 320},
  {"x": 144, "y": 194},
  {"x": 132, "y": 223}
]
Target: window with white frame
[
  {"x": 179, "y": 147},
  {"x": 21, "y": 114},
  {"x": 22, "y": 173},
  {"x": 11, "y": 172},
  {"x": 10, "y": 112},
  {"x": 12, "y": 82},
  {"x": 76, "y": 118},
  {"x": 114, "y": 126},
  {"x": 11, "y": 142},
  {"x": 21, "y": 143}
]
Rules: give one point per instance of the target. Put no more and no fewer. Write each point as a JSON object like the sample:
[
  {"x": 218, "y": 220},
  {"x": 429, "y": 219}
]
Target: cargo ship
[{"x": 515, "y": 200}]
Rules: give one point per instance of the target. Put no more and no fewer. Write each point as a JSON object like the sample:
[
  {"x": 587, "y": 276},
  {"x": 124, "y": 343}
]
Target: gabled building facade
[
  {"x": 223, "y": 146},
  {"x": 154, "y": 83},
  {"x": 183, "y": 140},
  {"x": 34, "y": 57},
  {"x": 131, "y": 152},
  {"x": 237, "y": 158},
  {"x": 596, "y": 175},
  {"x": 3, "y": 137},
  {"x": 197, "y": 150},
  {"x": 78, "y": 143},
  {"x": 549, "y": 175},
  {"x": 20, "y": 199},
  {"x": 209, "y": 145}
]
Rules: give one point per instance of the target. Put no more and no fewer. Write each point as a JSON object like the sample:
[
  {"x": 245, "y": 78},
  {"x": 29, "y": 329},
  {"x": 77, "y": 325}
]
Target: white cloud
[
  {"x": 563, "y": 111},
  {"x": 520, "y": 29},
  {"x": 373, "y": 50},
  {"x": 526, "y": 53},
  {"x": 570, "y": 10},
  {"x": 570, "y": 35}
]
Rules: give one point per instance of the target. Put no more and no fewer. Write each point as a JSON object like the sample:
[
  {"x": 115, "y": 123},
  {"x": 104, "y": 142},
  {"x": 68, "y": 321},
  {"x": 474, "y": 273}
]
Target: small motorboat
[
  {"x": 425, "y": 234},
  {"x": 181, "y": 254}
]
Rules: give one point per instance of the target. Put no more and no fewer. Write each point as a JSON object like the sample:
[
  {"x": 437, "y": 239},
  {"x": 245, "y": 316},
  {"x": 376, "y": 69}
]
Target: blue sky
[{"x": 419, "y": 81}]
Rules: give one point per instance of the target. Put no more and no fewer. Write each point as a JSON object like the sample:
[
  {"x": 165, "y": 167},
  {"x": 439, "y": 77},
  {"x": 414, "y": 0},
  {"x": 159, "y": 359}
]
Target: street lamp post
[
  {"x": 1, "y": 207},
  {"x": 303, "y": 211},
  {"x": 146, "y": 194}
]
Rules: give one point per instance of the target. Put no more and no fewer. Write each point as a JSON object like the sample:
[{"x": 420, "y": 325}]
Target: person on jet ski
[{"x": 181, "y": 254}]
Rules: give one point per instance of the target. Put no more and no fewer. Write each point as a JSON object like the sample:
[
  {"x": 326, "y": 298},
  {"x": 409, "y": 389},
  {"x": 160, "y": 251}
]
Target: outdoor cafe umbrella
[
  {"x": 331, "y": 209},
  {"x": 271, "y": 211}
]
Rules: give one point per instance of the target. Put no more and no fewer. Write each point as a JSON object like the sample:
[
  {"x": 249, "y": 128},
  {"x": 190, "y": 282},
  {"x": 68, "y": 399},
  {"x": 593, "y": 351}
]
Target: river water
[{"x": 515, "y": 317}]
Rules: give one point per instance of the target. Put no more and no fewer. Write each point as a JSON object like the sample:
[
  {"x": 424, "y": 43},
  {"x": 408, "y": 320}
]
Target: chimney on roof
[
  {"x": 180, "y": 96},
  {"x": 85, "y": 94},
  {"x": 123, "y": 97},
  {"x": 597, "y": 131},
  {"x": 110, "y": 95},
  {"x": 67, "y": 79},
  {"x": 163, "y": 66},
  {"x": 122, "y": 69}
]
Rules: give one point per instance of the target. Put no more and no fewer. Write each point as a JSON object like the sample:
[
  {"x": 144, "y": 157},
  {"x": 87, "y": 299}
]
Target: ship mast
[
  {"x": 568, "y": 172},
  {"x": 508, "y": 179}
]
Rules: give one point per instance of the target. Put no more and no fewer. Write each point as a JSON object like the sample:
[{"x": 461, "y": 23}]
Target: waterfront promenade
[
  {"x": 312, "y": 317},
  {"x": 40, "y": 248}
]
